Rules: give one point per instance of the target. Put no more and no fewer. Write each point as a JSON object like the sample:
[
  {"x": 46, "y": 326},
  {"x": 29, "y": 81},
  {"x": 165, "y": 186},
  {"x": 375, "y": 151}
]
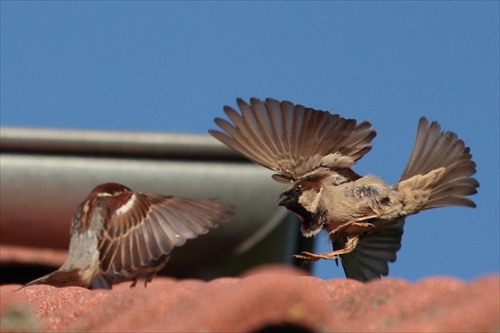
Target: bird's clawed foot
[
  {"x": 350, "y": 245},
  {"x": 149, "y": 278},
  {"x": 355, "y": 223},
  {"x": 312, "y": 257}
]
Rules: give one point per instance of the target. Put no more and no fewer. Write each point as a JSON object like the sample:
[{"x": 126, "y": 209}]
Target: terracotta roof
[{"x": 265, "y": 299}]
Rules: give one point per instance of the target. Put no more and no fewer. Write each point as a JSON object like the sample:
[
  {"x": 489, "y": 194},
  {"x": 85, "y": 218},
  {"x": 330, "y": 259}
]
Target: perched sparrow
[
  {"x": 120, "y": 235},
  {"x": 363, "y": 216}
]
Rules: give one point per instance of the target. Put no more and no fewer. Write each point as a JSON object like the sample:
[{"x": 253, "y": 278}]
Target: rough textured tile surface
[{"x": 264, "y": 299}]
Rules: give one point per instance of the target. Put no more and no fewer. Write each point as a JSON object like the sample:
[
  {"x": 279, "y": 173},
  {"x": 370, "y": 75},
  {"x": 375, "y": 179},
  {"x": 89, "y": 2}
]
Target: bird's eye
[{"x": 297, "y": 189}]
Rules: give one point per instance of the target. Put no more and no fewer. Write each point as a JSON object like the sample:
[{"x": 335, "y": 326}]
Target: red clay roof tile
[{"x": 263, "y": 298}]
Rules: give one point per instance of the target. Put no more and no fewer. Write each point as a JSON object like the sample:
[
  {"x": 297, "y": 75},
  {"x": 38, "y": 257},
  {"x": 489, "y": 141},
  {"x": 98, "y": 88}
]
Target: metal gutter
[{"x": 136, "y": 144}]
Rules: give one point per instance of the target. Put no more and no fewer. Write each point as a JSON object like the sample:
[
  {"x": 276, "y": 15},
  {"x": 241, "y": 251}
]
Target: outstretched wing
[
  {"x": 148, "y": 226},
  {"x": 291, "y": 139},
  {"x": 370, "y": 258}
]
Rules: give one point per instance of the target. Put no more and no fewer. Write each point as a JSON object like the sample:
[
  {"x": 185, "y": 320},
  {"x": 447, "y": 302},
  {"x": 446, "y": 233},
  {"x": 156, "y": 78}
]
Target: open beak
[{"x": 285, "y": 200}]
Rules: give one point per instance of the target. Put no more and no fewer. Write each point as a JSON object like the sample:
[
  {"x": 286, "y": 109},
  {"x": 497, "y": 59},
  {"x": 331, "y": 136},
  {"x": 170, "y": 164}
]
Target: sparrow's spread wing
[
  {"x": 146, "y": 227},
  {"x": 370, "y": 258},
  {"x": 291, "y": 139}
]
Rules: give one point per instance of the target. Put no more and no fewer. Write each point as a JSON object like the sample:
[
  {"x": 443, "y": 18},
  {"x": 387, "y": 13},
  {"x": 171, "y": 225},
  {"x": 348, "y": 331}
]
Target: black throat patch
[{"x": 310, "y": 221}]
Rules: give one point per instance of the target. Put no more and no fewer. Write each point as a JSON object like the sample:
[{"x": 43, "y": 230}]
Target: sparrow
[
  {"x": 121, "y": 235},
  {"x": 313, "y": 151}
]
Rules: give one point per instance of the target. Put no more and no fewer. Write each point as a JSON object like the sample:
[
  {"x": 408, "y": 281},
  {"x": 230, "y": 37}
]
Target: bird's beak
[{"x": 285, "y": 200}]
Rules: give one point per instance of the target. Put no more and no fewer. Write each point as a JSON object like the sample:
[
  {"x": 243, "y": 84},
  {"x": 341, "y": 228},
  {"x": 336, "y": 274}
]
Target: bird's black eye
[{"x": 297, "y": 189}]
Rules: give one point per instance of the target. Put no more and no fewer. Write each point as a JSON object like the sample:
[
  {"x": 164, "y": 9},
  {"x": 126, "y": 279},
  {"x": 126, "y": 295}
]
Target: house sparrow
[
  {"x": 120, "y": 235},
  {"x": 364, "y": 217}
]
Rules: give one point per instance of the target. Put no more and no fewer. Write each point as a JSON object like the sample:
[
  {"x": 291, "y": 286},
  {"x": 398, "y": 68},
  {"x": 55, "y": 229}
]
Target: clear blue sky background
[{"x": 171, "y": 66}]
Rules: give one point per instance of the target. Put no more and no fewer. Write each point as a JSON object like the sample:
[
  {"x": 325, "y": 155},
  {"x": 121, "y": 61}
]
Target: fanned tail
[{"x": 439, "y": 171}]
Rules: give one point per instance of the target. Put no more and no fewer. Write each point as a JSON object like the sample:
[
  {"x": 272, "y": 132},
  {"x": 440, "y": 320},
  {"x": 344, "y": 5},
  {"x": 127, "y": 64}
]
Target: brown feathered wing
[
  {"x": 151, "y": 227},
  {"x": 293, "y": 140},
  {"x": 370, "y": 259}
]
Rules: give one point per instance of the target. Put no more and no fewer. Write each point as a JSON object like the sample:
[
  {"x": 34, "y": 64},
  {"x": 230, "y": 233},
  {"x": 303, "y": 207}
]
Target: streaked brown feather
[
  {"x": 152, "y": 227},
  {"x": 435, "y": 149},
  {"x": 285, "y": 137},
  {"x": 60, "y": 279},
  {"x": 370, "y": 258},
  {"x": 155, "y": 240}
]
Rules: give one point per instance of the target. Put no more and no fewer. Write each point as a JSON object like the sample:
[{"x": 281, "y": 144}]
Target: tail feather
[
  {"x": 454, "y": 187},
  {"x": 435, "y": 149},
  {"x": 425, "y": 134},
  {"x": 461, "y": 170},
  {"x": 451, "y": 200},
  {"x": 60, "y": 279}
]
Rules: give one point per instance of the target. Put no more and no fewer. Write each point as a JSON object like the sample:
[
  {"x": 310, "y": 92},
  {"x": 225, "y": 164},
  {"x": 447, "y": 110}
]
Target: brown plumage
[
  {"x": 363, "y": 216},
  {"x": 118, "y": 235},
  {"x": 293, "y": 140}
]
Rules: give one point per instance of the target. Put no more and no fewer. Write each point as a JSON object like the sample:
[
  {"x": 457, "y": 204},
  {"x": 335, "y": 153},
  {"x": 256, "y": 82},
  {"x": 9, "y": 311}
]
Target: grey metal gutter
[{"x": 112, "y": 143}]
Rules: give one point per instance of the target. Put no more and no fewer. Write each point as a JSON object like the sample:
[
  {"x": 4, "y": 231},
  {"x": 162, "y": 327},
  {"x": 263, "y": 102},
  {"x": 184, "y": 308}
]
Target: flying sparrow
[
  {"x": 364, "y": 217},
  {"x": 120, "y": 235}
]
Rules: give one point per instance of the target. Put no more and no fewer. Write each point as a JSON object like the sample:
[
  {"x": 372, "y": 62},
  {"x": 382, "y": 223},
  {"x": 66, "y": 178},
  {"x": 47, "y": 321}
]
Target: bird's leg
[
  {"x": 133, "y": 283},
  {"x": 312, "y": 257},
  {"x": 357, "y": 222},
  {"x": 350, "y": 245},
  {"x": 149, "y": 278}
]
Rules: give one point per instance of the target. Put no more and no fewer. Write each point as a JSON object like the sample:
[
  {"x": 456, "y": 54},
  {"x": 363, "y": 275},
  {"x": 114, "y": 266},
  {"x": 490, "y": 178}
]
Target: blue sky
[{"x": 171, "y": 66}]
